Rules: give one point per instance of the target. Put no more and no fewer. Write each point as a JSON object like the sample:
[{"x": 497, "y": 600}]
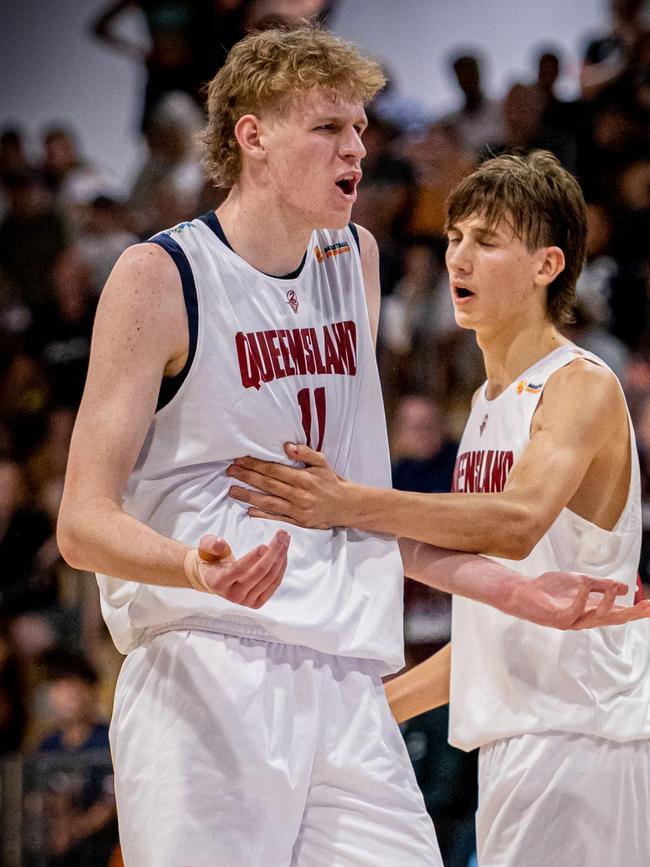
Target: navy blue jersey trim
[
  {"x": 212, "y": 222},
  {"x": 355, "y": 235},
  {"x": 171, "y": 384}
]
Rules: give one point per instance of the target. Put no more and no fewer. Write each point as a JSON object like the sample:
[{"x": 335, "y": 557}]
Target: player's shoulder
[
  {"x": 141, "y": 272},
  {"x": 367, "y": 243},
  {"x": 143, "y": 291},
  {"x": 584, "y": 382}
]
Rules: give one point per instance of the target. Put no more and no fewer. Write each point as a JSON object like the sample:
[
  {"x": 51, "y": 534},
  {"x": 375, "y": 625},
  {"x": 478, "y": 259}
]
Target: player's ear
[
  {"x": 247, "y": 132},
  {"x": 551, "y": 263}
]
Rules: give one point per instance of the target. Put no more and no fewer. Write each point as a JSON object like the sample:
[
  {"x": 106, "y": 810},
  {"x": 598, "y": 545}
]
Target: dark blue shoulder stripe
[
  {"x": 171, "y": 384},
  {"x": 355, "y": 234}
]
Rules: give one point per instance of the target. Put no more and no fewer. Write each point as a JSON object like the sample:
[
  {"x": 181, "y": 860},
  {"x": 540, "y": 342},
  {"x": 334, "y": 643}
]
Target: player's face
[
  {"x": 314, "y": 154},
  {"x": 491, "y": 275}
]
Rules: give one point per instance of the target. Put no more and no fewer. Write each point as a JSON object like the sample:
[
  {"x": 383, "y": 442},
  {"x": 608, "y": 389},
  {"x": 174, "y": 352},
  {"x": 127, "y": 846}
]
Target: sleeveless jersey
[
  {"x": 272, "y": 360},
  {"x": 508, "y": 676}
]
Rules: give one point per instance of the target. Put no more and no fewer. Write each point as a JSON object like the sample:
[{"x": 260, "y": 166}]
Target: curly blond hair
[{"x": 267, "y": 69}]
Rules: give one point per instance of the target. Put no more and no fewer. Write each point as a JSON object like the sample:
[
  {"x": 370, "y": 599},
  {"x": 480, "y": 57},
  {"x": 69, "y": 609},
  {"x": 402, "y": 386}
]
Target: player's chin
[
  {"x": 463, "y": 320},
  {"x": 337, "y": 219}
]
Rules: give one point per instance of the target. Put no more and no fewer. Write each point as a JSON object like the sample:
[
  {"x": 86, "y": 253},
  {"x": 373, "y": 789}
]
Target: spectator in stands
[
  {"x": 478, "y": 120},
  {"x": 441, "y": 159},
  {"x": 424, "y": 453},
  {"x": 13, "y": 713},
  {"x": 32, "y": 234},
  {"x": 104, "y": 234},
  {"x": 72, "y": 179},
  {"x": 60, "y": 335},
  {"x": 189, "y": 42},
  {"x": 409, "y": 322},
  {"x": 608, "y": 58},
  {"x": 174, "y": 165},
  {"x": 80, "y": 805},
  {"x": 527, "y": 127},
  {"x": 13, "y": 159},
  {"x": 24, "y": 529}
]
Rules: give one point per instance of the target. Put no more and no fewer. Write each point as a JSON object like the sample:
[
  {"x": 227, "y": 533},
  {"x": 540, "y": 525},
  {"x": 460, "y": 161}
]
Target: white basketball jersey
[
  {"x": 272, "y": 360},
  {"x": 509, "y": 676}
]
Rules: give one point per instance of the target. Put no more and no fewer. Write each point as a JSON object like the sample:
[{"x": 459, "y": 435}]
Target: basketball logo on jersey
[
  {"x": 292, "y": 300},
  {"x": 481, "y": 427}
]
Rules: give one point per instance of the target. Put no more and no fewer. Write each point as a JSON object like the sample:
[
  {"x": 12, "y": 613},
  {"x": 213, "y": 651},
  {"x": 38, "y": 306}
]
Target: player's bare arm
[
  {"x": 579, "y": 436},
  {"x": 140, "y": 335},
  {"x": 422, "y": 688}
]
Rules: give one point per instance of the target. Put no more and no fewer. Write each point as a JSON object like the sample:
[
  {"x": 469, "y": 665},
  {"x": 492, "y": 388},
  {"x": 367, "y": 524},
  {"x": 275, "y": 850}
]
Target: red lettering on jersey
[
  {"x": 296, "y": 350},
  {"x": 318, "y": 358},
  {"x": 273, "y": 354},
  {"x": 483, "y": 472},
  {"x": 332, "y": 358},
  {"x": 248, "y": 368},
  {"x": 262, "y": 356},
  {"x": 306, "y": 334},
  {"x": 274, "y": 351},
  {"x": 284, "y": 350}
]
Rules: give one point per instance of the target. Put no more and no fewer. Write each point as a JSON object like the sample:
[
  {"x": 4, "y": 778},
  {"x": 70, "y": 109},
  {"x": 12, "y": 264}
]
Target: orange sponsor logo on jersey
[
  {"x": 331, "y": 251},
  {"x": 530, "y": 387}
]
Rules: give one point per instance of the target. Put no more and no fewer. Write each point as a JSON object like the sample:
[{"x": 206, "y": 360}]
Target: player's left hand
[
  {"x": 569, "y": 601},
  {"x": 313, "y": 496}
]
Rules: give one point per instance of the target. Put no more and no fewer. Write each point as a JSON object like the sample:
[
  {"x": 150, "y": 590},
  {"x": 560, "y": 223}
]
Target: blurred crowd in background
[{"x": 63, "y": 224}]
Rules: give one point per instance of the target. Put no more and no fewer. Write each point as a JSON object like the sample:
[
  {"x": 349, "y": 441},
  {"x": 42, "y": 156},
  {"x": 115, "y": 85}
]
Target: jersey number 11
[{"x": 305, "y": 404}]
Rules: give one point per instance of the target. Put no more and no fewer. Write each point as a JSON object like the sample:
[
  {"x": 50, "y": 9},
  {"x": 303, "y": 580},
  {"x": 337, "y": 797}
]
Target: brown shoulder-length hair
[
  {"x": 265, "y": 70},
  {"x": 544, "y": 205}
]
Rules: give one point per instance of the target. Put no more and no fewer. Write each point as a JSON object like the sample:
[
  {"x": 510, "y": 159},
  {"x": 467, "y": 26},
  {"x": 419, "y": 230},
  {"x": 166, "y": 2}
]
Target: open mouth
[
  {"x": 462, "y": 292},
  {"x": 347, "y": 185}
]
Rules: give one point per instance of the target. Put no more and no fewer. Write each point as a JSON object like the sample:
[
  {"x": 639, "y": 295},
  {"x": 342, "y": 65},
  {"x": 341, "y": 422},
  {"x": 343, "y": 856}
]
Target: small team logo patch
[
  {"x": 332, "y": 250},
  {"x": 481, "y": 427},
  {"x": 177, "y": 229},
  {"x": 530, "y": 387},
  {"x": 292, "y": 300}
]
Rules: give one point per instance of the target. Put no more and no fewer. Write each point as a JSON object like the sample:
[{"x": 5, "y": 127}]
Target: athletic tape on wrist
[{"x": 192, "y": 572}]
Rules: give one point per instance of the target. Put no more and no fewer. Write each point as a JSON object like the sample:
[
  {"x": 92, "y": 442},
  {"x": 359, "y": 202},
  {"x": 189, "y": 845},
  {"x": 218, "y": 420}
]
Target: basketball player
[
  {"x": 547, "y": 477},
  {"x": 250, "y": 725}
]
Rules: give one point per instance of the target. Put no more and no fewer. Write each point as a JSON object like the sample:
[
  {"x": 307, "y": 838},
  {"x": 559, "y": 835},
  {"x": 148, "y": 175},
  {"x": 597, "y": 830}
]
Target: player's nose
[{"x": 352, "y": 145}]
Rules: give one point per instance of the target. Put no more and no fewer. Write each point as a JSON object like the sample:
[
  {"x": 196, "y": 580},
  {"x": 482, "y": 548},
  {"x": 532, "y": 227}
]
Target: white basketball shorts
[
  {"x": 235, "y": 752},
  {"x": 562, "y": 799}
]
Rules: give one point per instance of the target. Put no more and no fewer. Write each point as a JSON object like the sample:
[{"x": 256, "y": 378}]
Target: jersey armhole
[
  {"x": 355, "y": 235},
  {"x": 170, "y": 385}
]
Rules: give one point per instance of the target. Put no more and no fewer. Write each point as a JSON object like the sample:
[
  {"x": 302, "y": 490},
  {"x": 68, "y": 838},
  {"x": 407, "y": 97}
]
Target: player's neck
[
  {"x": 507, "y": 353},
  {"x": 263, "y": 233}
]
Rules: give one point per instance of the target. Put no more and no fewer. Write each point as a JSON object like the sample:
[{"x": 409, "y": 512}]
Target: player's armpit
[{"x": 422, "y": 688}]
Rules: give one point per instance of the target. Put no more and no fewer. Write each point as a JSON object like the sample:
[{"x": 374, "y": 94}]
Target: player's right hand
[{"x": 250, "y": 581}]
